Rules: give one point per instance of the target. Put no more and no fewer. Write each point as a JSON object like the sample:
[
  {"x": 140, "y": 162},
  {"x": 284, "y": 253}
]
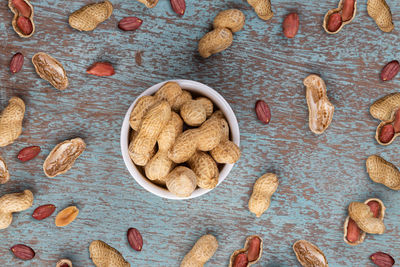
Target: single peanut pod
[
  {"x": 180, "y": 100},
  {"x": 63, "y": 156},
  {"x": 51, "y": 70},
  {"x": 320, "y": 109},
  {"x": 233, "y": 19},
  {"x": 104, "y": 255},
  {"x": 347, "y": 10},
  {"x": 262, "y": 8},
  {"x": 207, "y": 104},
  {"x": 210, "y": 134},
  {"x": 152, "y": 124},
  {"x": 215, "y": 41},
  {"x": 253, "y": 254},
  {"x": 11, "y": 121},
  {"x": 160, "y": 165},
  {"x": 226, "y": 152},
  {"x": 380, "y": 12},
  {"x": 364, "y": 218},
  {"x": 169, "y": 92},
  {"x": 141, "y": 107},
  {"x": 66, "y": 216},
  {"x": 387, "y": 131},
  {"x": 383, "y": 172},
  {"x": 181, "y": 181},
  {"x": 205, "y": 169},
  {"x": 201, "y": 252},
  {"x": 204, "y": 138},
  {"x": 11, "y": 203},
  {"x": 90, "y": 16},
  {"x": 4, "y": 174},
  {"x": 353, "y": 235},
  {"x": 193, "y": 113},
  {"x": 263, "y": 189},
  {"x": 383, "y": 108},
  {"x": 309, "y": 254},
  {"x": 149, "y": 3},
  {"x": 27, "y": 14}
]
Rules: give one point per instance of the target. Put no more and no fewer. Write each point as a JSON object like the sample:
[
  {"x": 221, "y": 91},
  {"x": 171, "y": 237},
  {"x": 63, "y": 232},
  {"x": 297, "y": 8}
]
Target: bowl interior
[{"x": 197, "y": 89}]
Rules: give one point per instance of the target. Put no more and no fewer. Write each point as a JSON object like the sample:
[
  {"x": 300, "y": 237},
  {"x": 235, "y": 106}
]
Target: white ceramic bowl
[{"x": 199, "y": 89}]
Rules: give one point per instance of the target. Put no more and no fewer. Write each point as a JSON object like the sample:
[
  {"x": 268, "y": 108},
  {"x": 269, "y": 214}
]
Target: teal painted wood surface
[{"x": 319, "y": 175}]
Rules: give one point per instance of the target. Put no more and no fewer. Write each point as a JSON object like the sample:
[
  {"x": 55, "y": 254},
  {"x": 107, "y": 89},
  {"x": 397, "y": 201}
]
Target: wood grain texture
[{"x": 319, "y": 175}]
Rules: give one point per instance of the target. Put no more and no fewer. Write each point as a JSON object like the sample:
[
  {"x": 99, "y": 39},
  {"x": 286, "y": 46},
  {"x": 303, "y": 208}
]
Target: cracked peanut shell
[
  {"x": 63, "y": 157},
  {"x": 245, "y": 249},
  {"x": 338, "y": 10},
  {"x": 362, "y": 234},
  {"x": 15, "y": 19},
  {"x": 4, "y": 174},
  {"x": 319, "y": 108},
  {"x": 51, "y": 70}
]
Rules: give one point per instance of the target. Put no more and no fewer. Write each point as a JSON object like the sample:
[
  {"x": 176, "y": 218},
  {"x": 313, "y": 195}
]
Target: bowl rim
[{"x": 191, "y": 86}]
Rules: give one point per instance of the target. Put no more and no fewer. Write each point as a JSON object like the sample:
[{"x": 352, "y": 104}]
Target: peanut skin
[
  {"x": 241, "y": 260},
  {"x": 254, "y": 249},
  {"x": 353, "y": 232},
  {"x": 263, "y": 189}
]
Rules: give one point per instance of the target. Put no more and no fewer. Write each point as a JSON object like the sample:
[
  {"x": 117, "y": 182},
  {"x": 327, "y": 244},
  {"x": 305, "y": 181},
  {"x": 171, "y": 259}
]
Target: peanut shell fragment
[
  {"x": 309, "y": 255},
  {"x": 201, "y": 252},
  {"x": 380, "y": 12},
  {"x": 63, "y": 157},
  {"x": 51, "y": 70},
  {"x": 104, "y": 255},
  {"x": 4, "y": 174},
  {"x": 90, "y": 16},
  {"x": 11, "y": 121},
  {"x": 320, "y": 109},
  {"x": 66, "y": 216},
  {"x": 149, "y": 3},
  {"x": 64, "y": 263}
]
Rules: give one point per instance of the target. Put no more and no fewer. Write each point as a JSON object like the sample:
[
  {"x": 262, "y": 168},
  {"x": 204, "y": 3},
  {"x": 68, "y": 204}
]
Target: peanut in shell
[
  {"x": 383, "y": 172},
  {"x": 90, "y": 16},
  {"x": 380, "y": 12},
  {"x": 338, "y": 10}
]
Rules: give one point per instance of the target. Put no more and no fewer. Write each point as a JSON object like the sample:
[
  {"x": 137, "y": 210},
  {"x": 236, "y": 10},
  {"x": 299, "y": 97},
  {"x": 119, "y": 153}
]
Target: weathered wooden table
[{"x": 319, "y": 175}]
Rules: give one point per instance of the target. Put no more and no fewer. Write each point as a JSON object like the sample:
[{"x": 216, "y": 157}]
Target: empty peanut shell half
[
  {"x": 4, "y": 174},
  {"x": 353, "y": 235},
  {"x": 64, "y": 263},
  {"x": 149, "y": 3},
  {"x": 309, "y": 255},
  {"x": 380, "y": 12},
  {"x": 252, "y": 250},
  {"x": 319, "y": 108},
  {"x": 63, "y": 156},
  {"x": 383, "y": 172},
  {"x": 347, "y": 10},
  {"x": 90, "y": 16},
  {"x": 22, "y": 21},
  {"x": 51, "y": 70}
]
